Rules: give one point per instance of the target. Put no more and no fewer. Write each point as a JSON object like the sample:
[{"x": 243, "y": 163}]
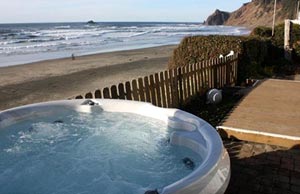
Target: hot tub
[{"x": 203, "y": 161}]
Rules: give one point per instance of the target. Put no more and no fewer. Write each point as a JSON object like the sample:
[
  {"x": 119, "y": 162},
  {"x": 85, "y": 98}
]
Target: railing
[{"x": 171, "y": 88}]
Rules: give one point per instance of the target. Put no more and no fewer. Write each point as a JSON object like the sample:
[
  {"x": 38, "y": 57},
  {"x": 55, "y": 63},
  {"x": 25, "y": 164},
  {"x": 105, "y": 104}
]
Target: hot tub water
[{"x": 109, "y": 153}]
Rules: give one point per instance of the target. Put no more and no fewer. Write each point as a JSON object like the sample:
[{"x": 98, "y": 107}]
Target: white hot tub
[{"x": 210, "y": 176}]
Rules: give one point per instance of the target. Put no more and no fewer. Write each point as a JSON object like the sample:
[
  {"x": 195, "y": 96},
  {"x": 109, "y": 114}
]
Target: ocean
[{"x": 26, "y": 43}]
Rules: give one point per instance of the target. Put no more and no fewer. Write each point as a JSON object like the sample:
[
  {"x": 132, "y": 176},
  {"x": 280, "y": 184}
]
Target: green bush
[
  {"x": 259, "y": 56},
  {"x": 262, "y": 31},
  {"x": 254, "y": 52},
  {"x": 278, "y": 38},
  {"x": 254, "y": 57},
  {"x": 198, "y": 48}
]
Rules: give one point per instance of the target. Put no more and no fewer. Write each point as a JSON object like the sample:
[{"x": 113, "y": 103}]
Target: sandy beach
[{"x": 62, "y": 78}]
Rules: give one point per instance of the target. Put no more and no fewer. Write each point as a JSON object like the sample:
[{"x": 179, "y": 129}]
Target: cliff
[
  {"x": 217, "y": 18},
  {"x": 260, "y": 13}
]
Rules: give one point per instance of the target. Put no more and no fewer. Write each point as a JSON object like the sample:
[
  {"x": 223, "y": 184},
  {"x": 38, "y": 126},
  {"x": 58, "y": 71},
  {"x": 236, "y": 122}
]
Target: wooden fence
[{"x": 171, "y": 88}]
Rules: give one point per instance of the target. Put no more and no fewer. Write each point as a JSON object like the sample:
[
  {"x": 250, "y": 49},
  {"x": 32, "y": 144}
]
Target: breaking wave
[{"x": 26, "y": 39}]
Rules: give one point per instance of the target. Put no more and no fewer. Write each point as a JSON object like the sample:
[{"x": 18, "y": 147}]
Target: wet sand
[{"x": 63, "y": 78}]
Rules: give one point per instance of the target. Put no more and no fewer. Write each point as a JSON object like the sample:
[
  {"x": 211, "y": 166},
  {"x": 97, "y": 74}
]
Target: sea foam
[{"x": 27, "y": 41}]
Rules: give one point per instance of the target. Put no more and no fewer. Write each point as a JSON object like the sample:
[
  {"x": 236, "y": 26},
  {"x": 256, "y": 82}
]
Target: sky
[{"x": 23, "y": 11}]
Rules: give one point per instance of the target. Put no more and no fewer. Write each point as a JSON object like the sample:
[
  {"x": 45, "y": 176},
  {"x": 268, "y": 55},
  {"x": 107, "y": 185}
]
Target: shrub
[
  {"x": 198, "y": 48},
  {"x": 278, "y": 38},
  {"x": 262, "y": 31},
  {"x": 260, "y": 54}
]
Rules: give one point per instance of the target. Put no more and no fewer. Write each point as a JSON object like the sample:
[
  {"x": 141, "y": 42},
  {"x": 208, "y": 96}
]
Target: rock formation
[
  {"x": 259, "y": 13},
  {"x": 217, "y": 18}
]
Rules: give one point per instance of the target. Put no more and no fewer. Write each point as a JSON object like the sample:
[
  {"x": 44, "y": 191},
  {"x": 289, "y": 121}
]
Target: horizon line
[{"x": 130, "y": 21}]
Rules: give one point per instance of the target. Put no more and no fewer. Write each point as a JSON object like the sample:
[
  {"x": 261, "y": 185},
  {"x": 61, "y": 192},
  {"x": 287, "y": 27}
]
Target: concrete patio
[{"x": 270, "y": 114}]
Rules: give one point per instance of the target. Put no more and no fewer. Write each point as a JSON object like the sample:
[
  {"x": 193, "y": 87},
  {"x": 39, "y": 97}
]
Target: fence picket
[
  {"x": 106, "y": 93},
  {"x": 88, "y": 95},
  {"x": 202, "y": 70},
  {"x": 194, "y": 80},
  {"x": 121, "y": 91},
  {"x": 168, "y": 89},
  {"x": 218, "y": 67},
  {"x": 128, "y": 90},
  {"x": 175, "y": 96},
  {"x": 220, "y": 73},
  {"x": 152, "y": 90},
  {"x": 79, "y": 97},
  {"x": 114, "y": 93},
  {"x": 199, "y": 77},
  {"x": 157, "y": 89},
  {"x": 147, "y": 89},
  {"x": 211, "y": 72},
  {"x": 206, "y": 74},
  {"x": 187, "y": 82},
  {"x": 163, "y": 92},
  {"x": 183, "y": 83},
  {"x": 215, "y": 73},
  {"x": 236, "y": 67},
  {"x": 180, "y": 84},
  {"x": 98, "y": 94},
  {"x": 223, "y": 75},
  {"x": 141, "y": 90},
  {"x": 224, "y": 72},
  {"x": 228, "y": 70},
  {"x": 135, "y": 90}
]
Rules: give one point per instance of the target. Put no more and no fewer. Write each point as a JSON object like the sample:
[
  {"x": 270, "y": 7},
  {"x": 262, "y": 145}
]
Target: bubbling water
[{"x": 109, "y": 153}]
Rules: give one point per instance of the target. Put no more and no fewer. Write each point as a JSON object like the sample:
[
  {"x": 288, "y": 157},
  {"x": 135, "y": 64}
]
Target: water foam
[{"x": 27, "y": 41}]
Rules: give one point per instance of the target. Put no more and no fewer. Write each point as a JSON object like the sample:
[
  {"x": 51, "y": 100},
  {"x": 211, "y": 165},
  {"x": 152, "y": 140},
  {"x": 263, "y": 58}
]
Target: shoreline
[
  {"x": 63, "y": 78},
  {"x": 92, "y": 53}
]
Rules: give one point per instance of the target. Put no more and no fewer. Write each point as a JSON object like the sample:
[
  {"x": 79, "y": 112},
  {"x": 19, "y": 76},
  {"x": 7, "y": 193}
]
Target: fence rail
[{"x": 171, "y": 88}]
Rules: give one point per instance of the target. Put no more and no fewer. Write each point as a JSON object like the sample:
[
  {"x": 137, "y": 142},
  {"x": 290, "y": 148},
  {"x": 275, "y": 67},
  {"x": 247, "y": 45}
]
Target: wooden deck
[{"x": 270, "y": 114}]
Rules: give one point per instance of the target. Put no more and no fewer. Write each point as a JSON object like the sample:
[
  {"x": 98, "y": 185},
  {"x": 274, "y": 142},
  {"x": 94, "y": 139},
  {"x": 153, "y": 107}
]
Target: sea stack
[
  {"x": 217, "y": 18},
  {"x": 91, "y": 22}
]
